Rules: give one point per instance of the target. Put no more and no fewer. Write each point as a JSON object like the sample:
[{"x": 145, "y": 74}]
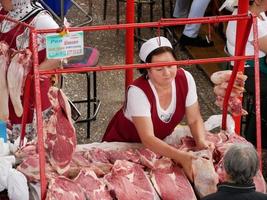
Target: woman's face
[
  {"x": 6, "y": 4},
  {"x": 162, "y": 75}
]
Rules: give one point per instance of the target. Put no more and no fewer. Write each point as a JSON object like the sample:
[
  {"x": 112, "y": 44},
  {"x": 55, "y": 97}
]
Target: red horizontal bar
[
  {"x": 145, "y": 65},
  {"x": 5, "y": 17},
  {"x": 160, "y": 23}
]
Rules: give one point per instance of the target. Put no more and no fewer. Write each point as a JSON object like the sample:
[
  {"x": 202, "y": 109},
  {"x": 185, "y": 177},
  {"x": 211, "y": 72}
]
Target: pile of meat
[
  {"x": 221, "y": 80},
  {"x": 132, "y": 174},
  {"x": 13, "y": 71}
]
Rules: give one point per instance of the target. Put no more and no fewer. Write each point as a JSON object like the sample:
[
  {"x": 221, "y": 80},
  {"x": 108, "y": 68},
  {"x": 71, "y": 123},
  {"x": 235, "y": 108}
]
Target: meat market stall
[{"x": 62, "y": 169}]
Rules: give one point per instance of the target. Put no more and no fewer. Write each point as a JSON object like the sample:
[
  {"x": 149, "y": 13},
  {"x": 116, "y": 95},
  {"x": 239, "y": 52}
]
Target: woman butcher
[
  {"x": 156, "y": 103},
  {"x": 17, "y": 37}
]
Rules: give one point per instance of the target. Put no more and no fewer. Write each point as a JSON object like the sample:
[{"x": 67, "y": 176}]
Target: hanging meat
[
  {"x": 16, "y": 75},
  {"x": 4, "y": 59},
  {"x": 59, "y": 133},
  {"x": 221, "y": 80}
]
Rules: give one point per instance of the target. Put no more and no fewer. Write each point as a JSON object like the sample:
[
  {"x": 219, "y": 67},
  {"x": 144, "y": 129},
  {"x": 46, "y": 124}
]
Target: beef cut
[
  {"x": 31, "y": 169},
  {"x": 204, "y": 175},
  {"x": 4, "y": 59},
  {"x": 59, "y": 133},
  {"x": 93, "y": 187},
  {"x": 130, "y": 155},
  {"x": 97, "y": 155},
  {"x": 128, "y": 180},
  {"x": 170, "y": 181},
  {"x": 62, "y": 188}
]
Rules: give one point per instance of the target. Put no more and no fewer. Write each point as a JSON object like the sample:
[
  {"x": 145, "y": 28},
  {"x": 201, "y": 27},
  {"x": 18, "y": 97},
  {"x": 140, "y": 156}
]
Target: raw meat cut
[
  {"x": 30, "y": 168},
  {"x": 62, "y": 188},
  {"x": 97, "y": 155},
  {"x": 128, "y": 180},
  {"x": 170, "y": 181},
  {"x": 224, "y": 76},
  {"x": 234, "y": 105},
  {"x": 99, "y": 168},
  {"x": 220, "y": 91},
  {"x": 130, "y": 155},
  {"x": 93, "y": 187},
  {"x": 25, "y": 151},
  {"x": 4, "y": 59},
  {"x": 204, "y": 175},
  {"x": 17, "y": 71},
  {"x": 147, "y": 157},
  {"x": 221, "y": 81},
  {"x": 59, "y": 133}
]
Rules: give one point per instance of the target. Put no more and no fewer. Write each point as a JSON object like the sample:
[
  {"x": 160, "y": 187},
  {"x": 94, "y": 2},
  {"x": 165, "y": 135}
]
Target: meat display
[
  {"x": 221, "y": 79},
  {"x": 136, "y": 173},
  {"x": 4, "y": 60},
  {"x": 17, "y": 71},
  {"x": 59, "y": 133}
]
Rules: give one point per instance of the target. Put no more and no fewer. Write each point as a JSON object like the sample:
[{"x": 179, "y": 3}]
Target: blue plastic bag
[{"x": 3, "y": 130}]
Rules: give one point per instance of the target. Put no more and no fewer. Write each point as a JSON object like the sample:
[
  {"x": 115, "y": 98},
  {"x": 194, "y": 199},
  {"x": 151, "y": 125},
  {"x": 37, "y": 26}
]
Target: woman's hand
[
  {"x": 186, "y": 163},
  {"x": 204, "y": 144}
]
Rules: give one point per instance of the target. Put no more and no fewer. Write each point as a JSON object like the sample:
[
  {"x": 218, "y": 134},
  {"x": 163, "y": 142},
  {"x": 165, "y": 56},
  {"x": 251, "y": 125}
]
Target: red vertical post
[
  {"x": 242, "y": 8},
  {"x": 38, "y": 114},
  {"x": 242, "y": 33},
  {"x": 257, "y": 88},
  {"x": 129, "y": 42}
]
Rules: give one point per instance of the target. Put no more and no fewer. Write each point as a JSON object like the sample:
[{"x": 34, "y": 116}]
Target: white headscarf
[
  {"x": 22, "y": 10},
  {"x": 20, "y": 3}
]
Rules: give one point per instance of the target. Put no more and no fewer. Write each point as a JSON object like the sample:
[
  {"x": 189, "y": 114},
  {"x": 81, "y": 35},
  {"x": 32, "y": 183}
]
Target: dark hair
[
  {"x": 157, "y": 51},
  {"x": 251, "y": 2}
]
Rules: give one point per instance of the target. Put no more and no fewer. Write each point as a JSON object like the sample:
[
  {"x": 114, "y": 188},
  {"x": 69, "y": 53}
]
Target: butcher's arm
[
  {"x": 50, "y": 64},
  {"x": 196, "y": 125},
  {"x": 145, "y": 130}
]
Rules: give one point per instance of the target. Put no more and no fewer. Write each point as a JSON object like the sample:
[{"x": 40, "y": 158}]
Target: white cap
[{"x": 151, "y": 45}]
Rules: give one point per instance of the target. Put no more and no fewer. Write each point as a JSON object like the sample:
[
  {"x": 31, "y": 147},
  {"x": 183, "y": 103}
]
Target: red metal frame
[
  {"x": 242, "y": 33},
  {"x": 257, "y": 87},
  {"x": 244, "y": 24},
  {"x": 129, "y": 42}
]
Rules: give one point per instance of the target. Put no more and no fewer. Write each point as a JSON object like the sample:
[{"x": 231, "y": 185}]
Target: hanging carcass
[
  {"x": 18, "y": 69},
  {"x": 59, "y": 133},
  {"x": 4, "y": 60}
]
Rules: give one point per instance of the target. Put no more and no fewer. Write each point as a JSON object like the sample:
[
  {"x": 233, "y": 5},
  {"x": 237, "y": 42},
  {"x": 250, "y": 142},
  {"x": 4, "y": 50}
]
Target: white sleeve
[
  {"x": 262, "y": 27},
  {"x": 191, "y": 97},
  {"x": 45, "y": 21},
  {"x": 137, "y": 103}
]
